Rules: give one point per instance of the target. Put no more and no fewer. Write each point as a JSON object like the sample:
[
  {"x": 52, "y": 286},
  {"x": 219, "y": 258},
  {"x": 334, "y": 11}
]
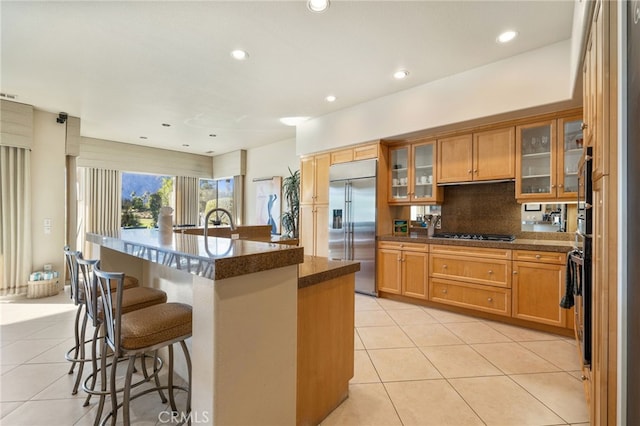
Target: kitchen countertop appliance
[{"x": 352, "y": 218}]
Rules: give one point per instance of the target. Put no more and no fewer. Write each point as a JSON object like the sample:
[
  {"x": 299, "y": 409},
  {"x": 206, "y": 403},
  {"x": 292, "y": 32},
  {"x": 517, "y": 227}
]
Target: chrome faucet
[
  {"x": 217, "y": 209},
  {"x": 206, "y": 228}
]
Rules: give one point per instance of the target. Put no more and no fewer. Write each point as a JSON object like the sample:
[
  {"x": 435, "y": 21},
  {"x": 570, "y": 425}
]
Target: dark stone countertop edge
[
  {"x": 257, "y": 262},
  {"x": 517, "y": 244},
  {"x": 315, "y": 270}
]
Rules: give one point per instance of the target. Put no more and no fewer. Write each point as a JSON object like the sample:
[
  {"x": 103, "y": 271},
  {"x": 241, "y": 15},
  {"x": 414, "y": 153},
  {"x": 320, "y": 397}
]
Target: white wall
[
  {"x": 47, "y": 190},
  {"x": 533, "y": 79},
  {"x": 266, "y": 161}
]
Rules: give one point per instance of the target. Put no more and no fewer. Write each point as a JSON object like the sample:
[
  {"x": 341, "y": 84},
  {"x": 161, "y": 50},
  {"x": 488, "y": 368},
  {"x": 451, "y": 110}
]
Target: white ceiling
[{"x": 125, "y": 68}]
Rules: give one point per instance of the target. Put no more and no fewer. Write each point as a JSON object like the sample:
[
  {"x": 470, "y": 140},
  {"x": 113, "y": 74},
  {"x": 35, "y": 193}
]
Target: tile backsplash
[{"x": 487, "y": 208}]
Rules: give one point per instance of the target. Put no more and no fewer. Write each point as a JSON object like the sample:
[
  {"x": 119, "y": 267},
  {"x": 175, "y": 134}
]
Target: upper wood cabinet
[
  {"x": 362, "y": 152},
  {"x": 482, "y": 156},
  {"x": 547, "y": 155},
  {"x": 412, "y": 174},
  {"x": 314, "y": 204},
  {"x": 314, "y": 179}
]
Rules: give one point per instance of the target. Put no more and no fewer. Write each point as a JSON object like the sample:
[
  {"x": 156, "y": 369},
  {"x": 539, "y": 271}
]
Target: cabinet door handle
[
  {"x": 583, "y": 377},
  {"x": 490, "y": 271},
  {"x": 444, "y": 290},
  {"x": 584, "y": 126},
  {"x": 401, "y": 245},
  {"x": 515, "y": 272},
  {"x": 490, "y": 299},
  {"x": 469, "y": 171},
  {"x": 444, "y": 266},
  {"x": 475, "y": 171},
  {"x": 538, "y": 256}
]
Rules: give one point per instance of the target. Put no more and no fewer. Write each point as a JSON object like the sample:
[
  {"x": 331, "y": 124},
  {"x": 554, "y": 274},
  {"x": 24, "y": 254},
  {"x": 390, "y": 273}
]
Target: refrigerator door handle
[{"x": 347, "y": 208}]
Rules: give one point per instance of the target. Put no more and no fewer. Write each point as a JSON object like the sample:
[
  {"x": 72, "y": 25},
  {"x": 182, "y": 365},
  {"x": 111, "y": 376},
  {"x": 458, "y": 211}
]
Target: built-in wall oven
[{"x": 580, "y": 258}]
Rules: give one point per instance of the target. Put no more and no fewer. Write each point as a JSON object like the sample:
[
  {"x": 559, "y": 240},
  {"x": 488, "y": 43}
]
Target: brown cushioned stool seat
[
  {"x": 156, "y": 324},
  {"x": 137, "y": 298}
]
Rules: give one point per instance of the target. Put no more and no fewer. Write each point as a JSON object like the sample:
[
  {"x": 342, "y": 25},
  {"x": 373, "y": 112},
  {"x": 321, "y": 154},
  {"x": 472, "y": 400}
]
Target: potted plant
[{"x": 291, "y": 190}]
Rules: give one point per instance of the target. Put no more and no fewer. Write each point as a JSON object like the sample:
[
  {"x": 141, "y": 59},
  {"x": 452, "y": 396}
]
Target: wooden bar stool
[
  {"x": 133, "y": 298},
  {"x": 76, "y": 354},
  {"x": 130, "y": 335}
]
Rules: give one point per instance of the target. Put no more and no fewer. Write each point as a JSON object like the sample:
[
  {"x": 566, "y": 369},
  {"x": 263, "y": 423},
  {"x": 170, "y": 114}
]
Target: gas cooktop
[{"x": 464, "y": 236}]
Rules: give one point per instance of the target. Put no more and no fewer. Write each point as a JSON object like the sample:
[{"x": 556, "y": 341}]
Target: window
[
  {"x": 217, "y": 193},
  {"x": 142, "y": 197}
]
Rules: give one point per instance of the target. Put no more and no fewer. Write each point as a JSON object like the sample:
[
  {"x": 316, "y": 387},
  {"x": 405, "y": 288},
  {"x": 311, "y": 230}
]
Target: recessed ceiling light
[
  {"x": 293, "y": 121},
  {"x": 318, "y": 6},
  {"x": 240, "y": 55},
  {"x": 506, "y": 36},
  {"x": 400, "y": 74},
  {"x": 8, "y": 95},
  {"x": 166, "y": 125},
  {"x": 330, "y": 98},
  {"x": 185, "y": 144},
  {"x": 209, "y": 152},
  {"x": 143, "y": 137},
  {"x": 213, "y": 135}
]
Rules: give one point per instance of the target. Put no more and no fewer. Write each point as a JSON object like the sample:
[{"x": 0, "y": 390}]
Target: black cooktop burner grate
[{"x": 480, "y": 237}]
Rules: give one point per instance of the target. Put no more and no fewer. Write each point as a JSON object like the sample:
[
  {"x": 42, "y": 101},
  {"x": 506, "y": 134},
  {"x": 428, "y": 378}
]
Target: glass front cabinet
[
  {"x": 412, "y": 174},
  {"x": 547, "y": 155}
]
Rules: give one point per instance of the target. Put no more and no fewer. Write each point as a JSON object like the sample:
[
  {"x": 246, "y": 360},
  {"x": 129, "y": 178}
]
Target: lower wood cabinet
[
  {"x": 403, "y": 268},
  {"x": 314, "y": 229},
  {"x": 522, "y": 284},
  {"x": 472, "y": 296},
  {"x": 538, "y": 286}
]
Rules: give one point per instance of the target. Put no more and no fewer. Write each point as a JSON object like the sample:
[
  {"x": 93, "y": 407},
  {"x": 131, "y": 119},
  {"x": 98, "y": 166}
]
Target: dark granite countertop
[
  {"x": 517, "y": 244},
  {"x": 221, "y": 258},
  {"x": 316, "y": 269}
]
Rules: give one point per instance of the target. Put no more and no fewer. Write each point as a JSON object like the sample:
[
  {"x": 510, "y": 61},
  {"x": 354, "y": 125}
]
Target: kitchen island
[{"x": 252, "y": 326}]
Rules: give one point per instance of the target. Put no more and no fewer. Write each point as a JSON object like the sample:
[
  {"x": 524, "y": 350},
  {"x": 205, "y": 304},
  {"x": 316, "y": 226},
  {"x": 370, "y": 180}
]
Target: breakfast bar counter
[{"x": 269, "y": 324}]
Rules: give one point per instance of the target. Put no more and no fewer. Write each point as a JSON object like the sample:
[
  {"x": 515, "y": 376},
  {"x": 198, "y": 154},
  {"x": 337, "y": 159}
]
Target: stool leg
[
  {"x": 113, "y": 388},
  {"x": 77, "y": 336},
  {"x": 172, "y": 399},
  {"x": 94, "y": 364},
  {"x": 82, "y": 356},
  {"x": 127, "y": 393},
  {"x": 155, "y": 373},
  {"x": 103, "y": 382},
  {"x": 188, "y": 360}
]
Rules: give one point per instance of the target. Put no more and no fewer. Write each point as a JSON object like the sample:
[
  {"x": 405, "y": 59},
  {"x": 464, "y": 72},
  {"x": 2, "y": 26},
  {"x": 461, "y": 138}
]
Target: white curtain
[
  {"x": 15, "y": 217},
  {"x": 186, "y": 201},
  {"x": 102, "y": 201}
]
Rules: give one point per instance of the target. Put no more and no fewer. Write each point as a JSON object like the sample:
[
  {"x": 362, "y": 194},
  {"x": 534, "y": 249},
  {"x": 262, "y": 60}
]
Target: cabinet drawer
[
  {"x": 397, "y": 245},
  {"x": 365, "y": 152},
  {"x": 472, "y": 251},
  {"x": 343, "y": 156},
  {"x": 481, "y": 298},
  {"x": 540, "y": 256},
  {"x": 494, "y": 272}
]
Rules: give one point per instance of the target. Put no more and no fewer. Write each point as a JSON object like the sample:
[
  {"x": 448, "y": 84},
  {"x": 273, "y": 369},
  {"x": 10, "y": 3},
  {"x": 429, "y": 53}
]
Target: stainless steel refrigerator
[{"x": 352, "y": 218}]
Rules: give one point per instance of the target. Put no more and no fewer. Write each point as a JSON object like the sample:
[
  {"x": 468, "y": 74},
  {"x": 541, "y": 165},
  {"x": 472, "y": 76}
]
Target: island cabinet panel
[
  {"x": 477, "y": 297},
  {"x": 325, "y": 347},
  {"x": 493, "y": 272}
]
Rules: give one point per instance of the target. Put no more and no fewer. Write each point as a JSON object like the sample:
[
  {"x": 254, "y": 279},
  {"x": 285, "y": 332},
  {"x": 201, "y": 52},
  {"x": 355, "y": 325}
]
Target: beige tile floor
[{"x": 413, "y": 366}]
